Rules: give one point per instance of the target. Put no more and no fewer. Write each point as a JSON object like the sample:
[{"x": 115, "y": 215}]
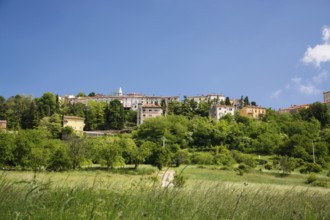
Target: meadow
[{"x": 209, "y": 192}]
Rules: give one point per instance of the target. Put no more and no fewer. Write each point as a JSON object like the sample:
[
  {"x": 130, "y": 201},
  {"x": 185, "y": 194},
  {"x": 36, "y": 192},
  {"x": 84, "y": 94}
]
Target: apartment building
[
  {"x": 293, "y": 109},
  {"x": 215, "y": 98},
  {"x": 217, "y": 111},
  {"x": 146, "y": 111},
  {"x": 253, "y": 111},
  {"x": 129, "y": 101}
]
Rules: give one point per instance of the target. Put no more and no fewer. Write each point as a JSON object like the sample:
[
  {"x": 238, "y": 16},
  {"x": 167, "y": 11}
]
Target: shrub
[
  {"x": 311, "y": 167},
  {"x": 242, "y": 167},
  {"x": 261, "y": 161},
  {"x": 320, "y": 183},
  {"x": 311, "y": 179},
  {"x": 246, "y": 159},
  {"x": 268, "y": 167},
  {"x": 223, "y": 159},
  {"x": 204, "y": 158}
]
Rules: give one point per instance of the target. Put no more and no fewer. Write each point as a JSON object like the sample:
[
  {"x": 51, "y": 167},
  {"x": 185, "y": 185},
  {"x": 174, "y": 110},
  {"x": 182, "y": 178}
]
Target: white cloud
[
  {"x": 317, "y": 55},
  {"x": 321, "y": 52},
  {"x": 308, "y": 89},
  {"x": 326, "y": 34},
  {"x": 276, "y": 93},
  {"x": 296, "y": 80},
  {"x": 321, "y": 77}
]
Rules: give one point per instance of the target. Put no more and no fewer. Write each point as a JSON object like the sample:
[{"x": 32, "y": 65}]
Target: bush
[
  {"x": 242, "y": 167},
  {"x": 222, "y": 159},
  {"x": 246, "y": 159},
  {"x": 261, "y": 161},
  {"x": 268, "y": 167},
  {"x": 320, "y": 183},
  {"x": 311, "y": 168},
  {"x": 204, "y": 158},
  {"x": 311, "y": 179}
]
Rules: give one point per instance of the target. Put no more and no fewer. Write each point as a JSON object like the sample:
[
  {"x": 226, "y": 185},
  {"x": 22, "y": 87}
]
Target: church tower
[{"x": 120, "y": 92}]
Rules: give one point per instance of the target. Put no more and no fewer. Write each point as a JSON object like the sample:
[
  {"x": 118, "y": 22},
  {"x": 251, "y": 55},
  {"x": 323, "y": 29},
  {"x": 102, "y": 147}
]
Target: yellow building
[
  {"x": 252, "y": 111},
  {"x": 3, "y": 125},
  {"x": 293, "y": 109},
  {"x": 77, "y": 123}
]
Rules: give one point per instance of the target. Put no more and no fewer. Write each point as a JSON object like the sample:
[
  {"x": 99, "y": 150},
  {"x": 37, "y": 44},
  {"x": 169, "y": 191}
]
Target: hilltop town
[{"x": 146, "y": 107}]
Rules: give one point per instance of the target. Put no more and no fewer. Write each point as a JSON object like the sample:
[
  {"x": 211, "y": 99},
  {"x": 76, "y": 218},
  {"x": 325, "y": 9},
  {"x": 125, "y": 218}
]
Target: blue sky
[{"x": 276, "y": 52}]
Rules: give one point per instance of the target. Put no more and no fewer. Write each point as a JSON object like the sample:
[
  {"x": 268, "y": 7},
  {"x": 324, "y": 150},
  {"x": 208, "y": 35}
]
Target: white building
[
  {"x": 129, "y": 101},
  {"x": 214, "y": 98},
  {"x": 218, "y": 111},
  {"x": 148, "y": 111}
]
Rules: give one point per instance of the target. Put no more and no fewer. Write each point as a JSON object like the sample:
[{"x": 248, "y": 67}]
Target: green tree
[
  {"x": 47, "y": 104},
  {"x": 246, "y": 101},
  {"x": 92, "y": 94},
  {"x": 81, "y": 94},
  {"x": 115, "y": 117},
  {"x": 95, "y": 116},
  {"x": 160, "y": 156},
  {"x": 7, "y": 144},
  {"x": 286, "y": 164},
  {"x": 59, "y": 159},
  {"x": 227, "y": 101},
  {"x": 52, "y": 124},
  {"x": 318, "y": 111},
  {"x": 140, "y": 154},
  {"x": 77, "y": 150}
]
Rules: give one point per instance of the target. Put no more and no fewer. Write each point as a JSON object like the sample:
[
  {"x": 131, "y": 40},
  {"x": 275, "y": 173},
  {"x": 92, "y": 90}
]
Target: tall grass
[{"x": 144, "y": 199}]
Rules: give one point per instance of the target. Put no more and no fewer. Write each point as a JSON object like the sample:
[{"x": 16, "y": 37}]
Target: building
[
  {"x": 129, "y": 101},
  {"x": 214, "y": 98},
  {"x": 148, "y": 111},
  {"x": 3, "y": 125},
  {"x": 293, "y": 109},
  {"x": 253, "y": 111},
  {"x": 77, "y": 123},
  {"x": 217, "y": 111},
  {"x": 326, "y": 97}
]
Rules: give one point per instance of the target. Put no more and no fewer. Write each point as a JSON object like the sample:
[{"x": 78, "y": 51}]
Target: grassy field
[{"x": 209, "y": 193}]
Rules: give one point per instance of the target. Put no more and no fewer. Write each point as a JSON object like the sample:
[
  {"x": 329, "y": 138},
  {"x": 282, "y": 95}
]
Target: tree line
[
  {"x": 185, "y": 135},
  {"x": 24, "y": 112}
]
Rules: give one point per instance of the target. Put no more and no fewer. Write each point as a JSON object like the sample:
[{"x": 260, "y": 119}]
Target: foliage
[
  {"x": 311, "y": 168},
  {"x": 115, "y": 117}
]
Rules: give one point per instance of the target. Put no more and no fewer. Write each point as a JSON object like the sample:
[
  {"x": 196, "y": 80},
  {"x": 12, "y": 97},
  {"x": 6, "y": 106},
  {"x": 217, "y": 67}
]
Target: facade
[
  {"x": 148, "y": 111},
  {"x": 129, "y": 101},
  {"x": 3, "y": 124},
  {"x": 218, "y": 111},
  {"x": 77, "y": 123},
  {"x": 252, "y": 111},
  {"x": 293, "y": 109},
  {"x": 215, "y": 98},
  {"x": 326, "y": 97}
]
